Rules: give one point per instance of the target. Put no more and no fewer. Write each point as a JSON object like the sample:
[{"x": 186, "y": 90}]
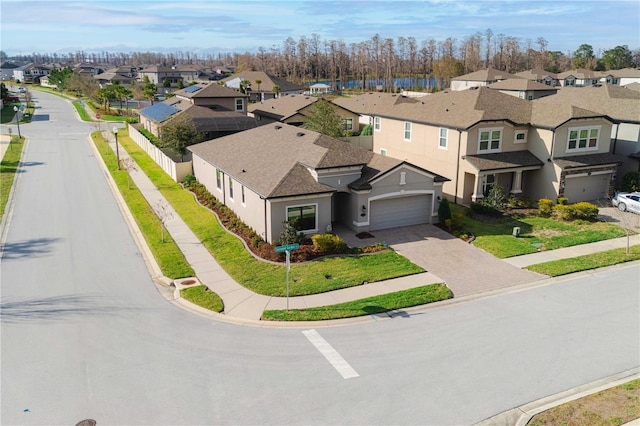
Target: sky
[{"x": 240, "y": 26}]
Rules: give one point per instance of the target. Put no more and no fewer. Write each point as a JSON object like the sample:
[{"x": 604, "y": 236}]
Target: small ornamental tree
[
  {"x": 444, "y": 211},
  {"x": 179, "y": 133},
  {"x": 325, "y": 119}
]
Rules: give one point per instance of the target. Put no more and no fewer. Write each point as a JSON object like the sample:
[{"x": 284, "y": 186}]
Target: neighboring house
[
  {"x": 541, "y": 76},
  {"x": 169, "y": 77},
  {"x": 270, "y": 86},
  {"x": 6, "y": 70},
  {"x": 584, "y": 77},
  {"x": 480, "y": 137},
  {"x": 110, "y": 77},
  {"x": 30, "y": 73},
  {"x": 479, "y": 78},
  {"x": 214, "y": 96},
  {"x": 293, "y": 109},
  {"x": 87, "y": 70},
  {"x": 216, "y": 110},
  {"x": 366, "y": 103},
  {"x": 279, "y": 172},
  {"x": 523, "y": 88},
  {"x": 622, "y": 105},
  {"x": 626, "y": 76}
]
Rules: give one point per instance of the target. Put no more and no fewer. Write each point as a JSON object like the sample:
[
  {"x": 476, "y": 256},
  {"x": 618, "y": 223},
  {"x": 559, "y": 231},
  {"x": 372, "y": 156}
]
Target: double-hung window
[
  {"x": 376, "y": 124},
  {"x": 583, "y": 138},
  {"x": 442, "y": 144},
  {"x": 407, "y": 131},
  {"x": 347, "y": 124},
  {"x": 303, "y": 216},
  {"x": 230, "y": 189},
  {"x": 489, "y": 140},
  {"x": 239, "y": 104}
]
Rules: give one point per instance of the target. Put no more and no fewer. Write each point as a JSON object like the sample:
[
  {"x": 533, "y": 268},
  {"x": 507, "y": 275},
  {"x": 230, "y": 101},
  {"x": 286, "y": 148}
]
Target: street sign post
[{"x": 287, "y": 250}]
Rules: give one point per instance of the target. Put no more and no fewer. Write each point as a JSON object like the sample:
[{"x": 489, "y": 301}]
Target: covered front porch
[{"x": 506, "y": 169}]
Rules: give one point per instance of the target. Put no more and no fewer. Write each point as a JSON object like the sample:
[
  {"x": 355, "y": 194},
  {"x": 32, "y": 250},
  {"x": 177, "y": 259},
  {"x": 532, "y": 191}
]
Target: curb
[
  {"x": 520, "y": 416},
  {"x": 8, "y": 211}
]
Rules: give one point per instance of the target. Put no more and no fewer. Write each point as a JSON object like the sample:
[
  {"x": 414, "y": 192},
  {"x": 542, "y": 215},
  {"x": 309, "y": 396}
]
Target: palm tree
[{"x": 258, "y": 82}]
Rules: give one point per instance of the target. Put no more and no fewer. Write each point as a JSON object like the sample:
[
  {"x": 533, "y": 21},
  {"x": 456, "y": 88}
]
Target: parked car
[
  {"x": 22, "y": 90},
  {"x": 12, "y": 99},
  {"x": 627, "y": 201}
]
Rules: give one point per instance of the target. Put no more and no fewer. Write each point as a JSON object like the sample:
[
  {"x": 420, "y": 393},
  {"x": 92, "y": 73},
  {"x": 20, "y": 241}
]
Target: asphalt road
[{"x": 85, "y": 333}]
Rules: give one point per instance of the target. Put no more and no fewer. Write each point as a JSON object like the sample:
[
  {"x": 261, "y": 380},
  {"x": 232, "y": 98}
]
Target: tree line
[{"x": 380, "y": 59}]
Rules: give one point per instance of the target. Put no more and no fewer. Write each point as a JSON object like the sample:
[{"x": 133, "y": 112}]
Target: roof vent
[
  {"x": 473, "y": 88},
  {"x": 299, "y": 134},
  {"x": 278, "y": 127}
]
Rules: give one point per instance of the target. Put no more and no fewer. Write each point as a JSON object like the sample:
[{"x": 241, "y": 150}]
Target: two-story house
[
  {"x": 481, "y": 137},
  {"x": 216, "y": 110},
  {"x": 262, "y": 86},
  {"x": 479, "y": 78}
]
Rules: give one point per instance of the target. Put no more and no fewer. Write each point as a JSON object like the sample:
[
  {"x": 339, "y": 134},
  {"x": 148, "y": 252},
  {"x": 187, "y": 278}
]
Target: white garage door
[
  {"x": 404, "y": 211},
  {"x": 586, "y": 188}
]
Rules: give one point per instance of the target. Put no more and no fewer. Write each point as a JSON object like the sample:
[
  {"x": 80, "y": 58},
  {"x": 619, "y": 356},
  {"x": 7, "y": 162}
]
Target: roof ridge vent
[{"x": 278, "y": 127}]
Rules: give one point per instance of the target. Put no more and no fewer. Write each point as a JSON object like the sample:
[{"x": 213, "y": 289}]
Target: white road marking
[{"x": 334, "y": 358}]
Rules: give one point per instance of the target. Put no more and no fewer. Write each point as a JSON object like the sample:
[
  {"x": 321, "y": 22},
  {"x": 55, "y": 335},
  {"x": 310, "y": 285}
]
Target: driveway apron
[{"x": 466, "y": 269}]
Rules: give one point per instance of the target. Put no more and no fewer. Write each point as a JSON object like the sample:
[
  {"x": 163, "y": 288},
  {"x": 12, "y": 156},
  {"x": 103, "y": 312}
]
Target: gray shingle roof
[
  {"x": 587, "y": 160},
  {"x": 282, "y": 107},
  {"x": 520, "y": 84},
  {"x": 504, "y": 160},
  {"x": 487, "y": 75},
  {"x": 210, "y": 90}
]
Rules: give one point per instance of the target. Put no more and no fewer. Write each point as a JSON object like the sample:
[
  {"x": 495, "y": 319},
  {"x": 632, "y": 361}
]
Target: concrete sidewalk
[{"x": 241, "y": 304}]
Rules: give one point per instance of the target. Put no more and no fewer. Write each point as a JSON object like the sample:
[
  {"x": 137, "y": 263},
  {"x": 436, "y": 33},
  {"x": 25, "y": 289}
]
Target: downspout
[
  {"x": 266, "y": 236},
  {"x": 455, "y": 197},
  {"x": 224, "y": 191},
  {"x": 615, "y": 140}
]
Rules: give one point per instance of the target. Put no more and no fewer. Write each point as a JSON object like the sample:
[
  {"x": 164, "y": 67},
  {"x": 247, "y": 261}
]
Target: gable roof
[
  {"x": 618, "y": 103},
  {"x": 520, "y": 84},
  {"x": 268, "y": 81},
  {"x": 536, "y": 74},
  {"x": 367, "y": 103},
  {"x": 462, "y": 109},
  {"x": 488, "y": 75},
  {"x": 208, "y": 90},
  {"x": 626, "y": 73},
  {"x": 283, "y": 107}
]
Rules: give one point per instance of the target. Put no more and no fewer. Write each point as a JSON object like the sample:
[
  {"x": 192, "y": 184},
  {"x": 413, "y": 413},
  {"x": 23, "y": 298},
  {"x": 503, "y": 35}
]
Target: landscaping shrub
[
  {"x": 329, "y": 243},
  {"x": 367, "y": 130},
  {"x": 189, "y": 179},
  {"x": 497, "y": 197},
  {"x": 582, "y": 211},
  {"x": 563, "y": 201},
  {"x": 444, "y": 211},
  {"x": 545, "y": 207},
  {"x": 631, "y": 182}
]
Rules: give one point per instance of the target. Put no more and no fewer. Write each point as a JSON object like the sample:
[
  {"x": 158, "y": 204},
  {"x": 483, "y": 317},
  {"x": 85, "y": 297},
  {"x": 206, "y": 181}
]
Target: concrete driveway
[{"x": 467, "y": 270}]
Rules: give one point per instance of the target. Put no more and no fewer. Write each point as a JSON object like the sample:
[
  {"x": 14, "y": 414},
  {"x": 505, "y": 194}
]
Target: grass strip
[
  {"x": 84, "y": 115},
  {"x": 8, "y": 170},
  {"x": 169, "y": 257},
  {"x": 587, "y": 262},
  {"x": 615, "y": 406},
  {"x": 369, "y": 306},
  {"x": 261, "y": 277},
  {"x": 200, "y": 296}
]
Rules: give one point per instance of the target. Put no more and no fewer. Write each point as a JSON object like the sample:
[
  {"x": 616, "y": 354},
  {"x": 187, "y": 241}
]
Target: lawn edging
[
  {"x": 587, "y": 262},
  {"x": 8, "y": 174}
]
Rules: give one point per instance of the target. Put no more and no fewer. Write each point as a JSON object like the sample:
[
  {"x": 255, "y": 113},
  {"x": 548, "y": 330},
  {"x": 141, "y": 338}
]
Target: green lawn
[
  {"x": 205, "y": 299},
  {"x": 369, "y": 306},
  {"x": 587, "y": 262},
  {"x": 169, "y": 257},
  {"x": 535, "y": 232},
  {"x": 84, "y": 115},
  {"x": 8, "y": 168},
  {"x": 262, "y": 277}
]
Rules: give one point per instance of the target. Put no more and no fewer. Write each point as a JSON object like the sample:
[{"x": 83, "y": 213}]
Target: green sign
[{"x": 287, "y": 247}]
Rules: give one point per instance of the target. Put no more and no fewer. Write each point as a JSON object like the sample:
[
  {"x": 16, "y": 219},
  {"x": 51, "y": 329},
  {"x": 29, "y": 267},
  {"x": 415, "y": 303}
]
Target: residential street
[{"x": 85, "y": 333}]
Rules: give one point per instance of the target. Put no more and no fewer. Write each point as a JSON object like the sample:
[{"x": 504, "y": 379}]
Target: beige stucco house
[
  {"x": 480, "y": 78},
  {"x": 279, "y": 172},
  {"x": 482, "y": 137}
]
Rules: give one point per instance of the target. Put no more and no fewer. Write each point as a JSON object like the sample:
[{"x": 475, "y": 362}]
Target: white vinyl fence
[{"x": 177, "y": 171}]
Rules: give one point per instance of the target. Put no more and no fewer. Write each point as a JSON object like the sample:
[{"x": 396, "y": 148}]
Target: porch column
[
  {"x": 516, "y": 184},
  {"x": 477, "y": 192}
]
